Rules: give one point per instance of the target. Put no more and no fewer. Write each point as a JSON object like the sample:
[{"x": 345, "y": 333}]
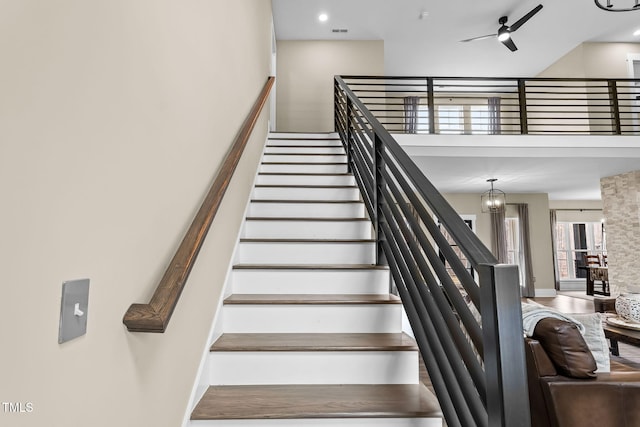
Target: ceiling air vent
[{"x": 339, "y": 30}]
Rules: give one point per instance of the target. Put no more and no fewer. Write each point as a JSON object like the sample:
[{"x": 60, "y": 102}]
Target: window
[
  {"x": 574, "y": 240},
  {"x": 514, "y": 246},
  {"x": 479, "y": 119},
  {"x": 423, "y": 118},
  {"x": 451, "y": 119},
  {"x": 470, "y": 221}
]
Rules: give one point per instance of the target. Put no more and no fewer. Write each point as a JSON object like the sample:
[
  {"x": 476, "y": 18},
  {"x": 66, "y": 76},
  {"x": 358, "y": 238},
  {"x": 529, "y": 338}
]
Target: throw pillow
[
  {"x": 596, "y": 341},
  {"x": 566, "y": 347}
]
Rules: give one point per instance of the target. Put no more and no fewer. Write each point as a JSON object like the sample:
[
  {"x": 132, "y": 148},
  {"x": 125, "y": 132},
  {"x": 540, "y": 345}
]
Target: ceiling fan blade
[
  {"x": 510, "y": 44},
  {"x": 488, "y": 36},
  {"x": 525, "y": 18}
]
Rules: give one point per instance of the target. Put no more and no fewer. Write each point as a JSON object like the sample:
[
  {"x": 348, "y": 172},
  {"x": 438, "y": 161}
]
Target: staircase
[{"x": 310, "y": 333}]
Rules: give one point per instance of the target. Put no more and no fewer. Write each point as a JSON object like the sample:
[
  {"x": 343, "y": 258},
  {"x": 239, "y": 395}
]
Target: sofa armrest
[
  {"x": 608, "y": 400},
  {"x": 538, "y": 360}
]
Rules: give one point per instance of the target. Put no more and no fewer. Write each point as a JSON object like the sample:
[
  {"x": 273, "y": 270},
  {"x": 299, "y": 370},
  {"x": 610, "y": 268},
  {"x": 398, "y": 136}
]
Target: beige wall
[
  {"x": 305, "y": 73},
  {"x": 577, "y": 210},
  {"x": 594, "y": 60},
  {"x": 114, "y": 117},
  {"x": 540, "y": 231}
]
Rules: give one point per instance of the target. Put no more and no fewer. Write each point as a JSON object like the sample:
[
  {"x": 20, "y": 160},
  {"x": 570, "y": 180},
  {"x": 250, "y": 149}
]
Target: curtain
[
  {"x": 498, "y": 236},
  {"x": 411, "y": 113},
  {"x": 554, "y": 236},
  {"x": 528, "y": 287},
  {"x": 494, "y": 115}
]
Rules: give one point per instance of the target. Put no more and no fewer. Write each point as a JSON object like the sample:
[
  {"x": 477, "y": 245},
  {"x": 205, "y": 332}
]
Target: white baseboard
[
  {"x": 573, "y": 285},
  {"x": 545, "y": 293}
]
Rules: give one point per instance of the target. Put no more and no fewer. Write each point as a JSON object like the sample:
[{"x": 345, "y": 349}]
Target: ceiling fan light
[{"x": 503, "y": 34}]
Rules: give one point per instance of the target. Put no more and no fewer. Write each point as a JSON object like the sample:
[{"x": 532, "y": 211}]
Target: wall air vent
[{"x": 339, "y": 30}]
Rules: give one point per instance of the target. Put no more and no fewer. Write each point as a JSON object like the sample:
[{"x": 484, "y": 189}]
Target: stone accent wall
[{"x": 621, "y": 209}]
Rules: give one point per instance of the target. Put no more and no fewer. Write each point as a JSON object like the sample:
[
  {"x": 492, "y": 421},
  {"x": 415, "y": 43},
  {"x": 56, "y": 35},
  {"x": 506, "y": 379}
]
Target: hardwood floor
[{"x": 566, "y": 304}]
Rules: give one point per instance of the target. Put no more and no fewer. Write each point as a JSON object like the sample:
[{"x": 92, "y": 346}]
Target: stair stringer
[{"x": 201, "y": 381}]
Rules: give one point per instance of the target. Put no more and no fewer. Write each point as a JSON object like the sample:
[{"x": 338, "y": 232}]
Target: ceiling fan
[{"x": 504, "y": 32}]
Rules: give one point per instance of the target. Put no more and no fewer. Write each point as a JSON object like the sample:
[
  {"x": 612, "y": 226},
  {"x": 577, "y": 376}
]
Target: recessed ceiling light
[
  {"x": 323, "y": 17},
  {"x": 636, "y": 33}
]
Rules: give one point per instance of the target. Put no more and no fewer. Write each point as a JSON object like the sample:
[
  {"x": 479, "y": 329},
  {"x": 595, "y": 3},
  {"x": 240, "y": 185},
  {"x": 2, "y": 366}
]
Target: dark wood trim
[
  {"x": 315, "y": 267},
  {"x": 347, "y": 186},
  {"x": 306, "y": 163},
  {"x": 306, "y": 219},
  {"x": 292, "y": 138},
  {"x": 304, "y": 146},
  {"x": 155, "y": 316},
  {"x": 293, "y": 240},
  {"x": 306, "y": 154},
  {"x": 321, "y": 401},
  {"x": 306, "y": 342},
  {"x": 279, "y": 201},
  {"x": 312, "y": 299}
]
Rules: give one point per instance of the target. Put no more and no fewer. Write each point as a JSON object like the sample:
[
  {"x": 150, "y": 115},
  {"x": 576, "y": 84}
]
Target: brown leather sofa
[{"x": 558, "y": 400}]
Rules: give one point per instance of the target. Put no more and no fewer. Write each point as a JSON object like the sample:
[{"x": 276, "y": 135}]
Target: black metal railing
[
  {"x": 465, "y": 312},
  {"x": 478, "y": 105}
]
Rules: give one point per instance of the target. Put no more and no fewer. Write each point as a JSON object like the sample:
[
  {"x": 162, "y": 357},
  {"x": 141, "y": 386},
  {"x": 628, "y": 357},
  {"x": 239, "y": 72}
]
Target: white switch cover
[{"x": 73, "y": 310}]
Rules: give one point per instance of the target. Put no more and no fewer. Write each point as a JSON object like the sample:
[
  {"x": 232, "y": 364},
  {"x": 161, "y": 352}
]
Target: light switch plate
[{"x": 73, "y": 310}]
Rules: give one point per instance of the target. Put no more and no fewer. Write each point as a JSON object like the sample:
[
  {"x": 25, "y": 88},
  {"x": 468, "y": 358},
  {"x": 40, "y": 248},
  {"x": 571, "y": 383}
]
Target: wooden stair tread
[
  {"x": 316, "y": 401},
  {"x": 309, "y": 267},
  {"x": 351, "y": 187},
  {"x": 302, "y": 146},
  {"x": 298, "y": 218},
  {"x": 305, "y": 173},
  {"x": 314, "y": 342},
  {"x": 306, "y": 154},
  {"x": 312, "y": 299},
  {"x": 301, "y": 138},
  {"x": 303, "y": 201},
  {"x": 305, "y": 163},
  {"x": 292, "y": 240}
]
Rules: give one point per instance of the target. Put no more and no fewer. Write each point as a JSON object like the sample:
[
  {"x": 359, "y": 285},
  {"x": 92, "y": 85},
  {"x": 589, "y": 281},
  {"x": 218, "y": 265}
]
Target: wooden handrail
[{"x": 154, "y": 316}]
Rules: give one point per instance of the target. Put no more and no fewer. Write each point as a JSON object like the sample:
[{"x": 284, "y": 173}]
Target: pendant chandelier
[
  {"x": 493, "y": 200},
  {"x": 620, "y": 6}
]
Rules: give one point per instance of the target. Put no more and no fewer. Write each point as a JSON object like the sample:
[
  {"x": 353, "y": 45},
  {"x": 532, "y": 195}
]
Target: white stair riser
[
  {"x": 304, "y": 168},
  {"x": 305, "y": 253},
  {"x": 310, "y": 282},
  {"x": 311, "y": 139},
  {"x": 304, "y": 135},
  {"x": 313, "y": 367},
  {"x": 307, "y": 229},
  {"x": 309, "y": 318},
  {"x": 299, "y": 158},
  {"x": 305, "y": 180},
  {"x": 325, "y": 422},
  {"x": 307, "y": 149},
  {"x": 306, "y": 210},
  {"x": 306, "y": 193}
]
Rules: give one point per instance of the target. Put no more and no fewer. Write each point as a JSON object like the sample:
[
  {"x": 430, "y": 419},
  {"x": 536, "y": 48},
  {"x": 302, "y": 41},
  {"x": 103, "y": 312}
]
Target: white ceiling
[
  {"x": 567, "y": 167},
  {"x": 430, "y": 45}
]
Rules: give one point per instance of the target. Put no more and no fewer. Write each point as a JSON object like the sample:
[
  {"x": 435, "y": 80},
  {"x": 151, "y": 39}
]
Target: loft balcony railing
[
  {"x": 464, "y": 307},
  {"x": 477, "y": 105}
]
